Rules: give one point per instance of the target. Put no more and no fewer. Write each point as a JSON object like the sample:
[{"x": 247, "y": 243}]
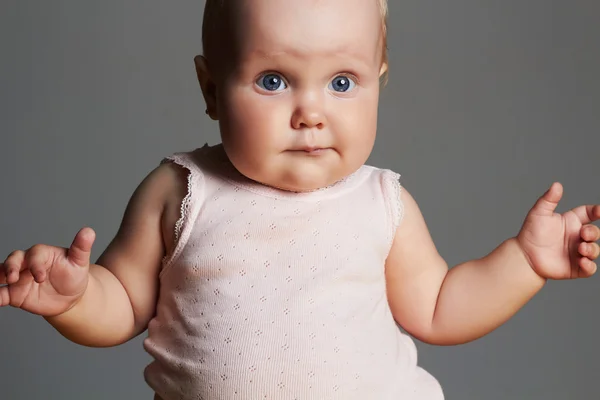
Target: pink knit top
[{"x": 279, "y": 295}]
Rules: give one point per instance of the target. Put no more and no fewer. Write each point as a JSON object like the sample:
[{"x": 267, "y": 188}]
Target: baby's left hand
[{"x": 560, "y": 246}]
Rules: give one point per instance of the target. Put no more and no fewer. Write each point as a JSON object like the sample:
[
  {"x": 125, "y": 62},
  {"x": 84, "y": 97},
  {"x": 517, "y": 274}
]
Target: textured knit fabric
[{"x": 279, "y": 295}]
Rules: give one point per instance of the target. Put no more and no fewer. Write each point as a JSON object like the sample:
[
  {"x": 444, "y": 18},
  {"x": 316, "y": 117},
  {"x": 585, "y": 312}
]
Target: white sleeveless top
[{"x": 279, "y": 295}]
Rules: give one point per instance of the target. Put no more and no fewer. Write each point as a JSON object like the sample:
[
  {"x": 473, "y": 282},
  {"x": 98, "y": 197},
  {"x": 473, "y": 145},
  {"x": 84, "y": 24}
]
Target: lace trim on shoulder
[
  {"x": 185, "y": 204},
  {"x": 393, "y": 189},
  {"x": 183, "y": 160}
]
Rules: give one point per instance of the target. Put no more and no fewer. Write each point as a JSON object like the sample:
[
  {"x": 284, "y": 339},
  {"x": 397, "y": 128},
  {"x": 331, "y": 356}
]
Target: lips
[{"x": 309, "y": 149}]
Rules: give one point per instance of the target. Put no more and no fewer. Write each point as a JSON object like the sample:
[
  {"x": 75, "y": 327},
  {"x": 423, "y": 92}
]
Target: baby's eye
[
  {"x": 342, "y": 83},
  {"x": 271, "y": 82}
]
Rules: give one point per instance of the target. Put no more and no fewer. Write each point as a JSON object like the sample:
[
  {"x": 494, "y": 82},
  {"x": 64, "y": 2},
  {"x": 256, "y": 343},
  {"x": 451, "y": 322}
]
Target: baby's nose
[{"x": 309, "y": 113}]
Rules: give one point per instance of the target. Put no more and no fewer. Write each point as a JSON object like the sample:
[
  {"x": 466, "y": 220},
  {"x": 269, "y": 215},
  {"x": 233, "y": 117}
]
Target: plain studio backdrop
[{"x": 488, "y": 103}]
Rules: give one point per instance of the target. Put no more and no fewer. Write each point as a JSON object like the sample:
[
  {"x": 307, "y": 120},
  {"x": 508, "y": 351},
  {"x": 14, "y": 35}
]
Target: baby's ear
[{"x": 208, "y": 86}]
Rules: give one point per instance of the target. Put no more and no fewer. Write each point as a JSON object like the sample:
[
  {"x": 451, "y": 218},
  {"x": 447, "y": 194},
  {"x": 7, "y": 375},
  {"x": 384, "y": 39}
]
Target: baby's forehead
[
  {"x": 236, "y": 30},
  {"x": 297, "y": 23}
]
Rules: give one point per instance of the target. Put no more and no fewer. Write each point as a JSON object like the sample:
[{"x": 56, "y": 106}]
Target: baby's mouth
[{"x": 310, "y": 150}]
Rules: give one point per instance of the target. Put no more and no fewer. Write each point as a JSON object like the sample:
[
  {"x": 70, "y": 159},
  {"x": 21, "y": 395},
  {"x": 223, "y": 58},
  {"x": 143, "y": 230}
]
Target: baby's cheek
[
  {"x": 356, "y": 132},
  {"x": 256, "y": 115}
]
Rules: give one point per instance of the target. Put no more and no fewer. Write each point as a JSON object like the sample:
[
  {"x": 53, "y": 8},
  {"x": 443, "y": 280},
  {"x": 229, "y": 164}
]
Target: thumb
[
  {"x": 79, "y": 252},
  {"x": 546, "y": 204}
]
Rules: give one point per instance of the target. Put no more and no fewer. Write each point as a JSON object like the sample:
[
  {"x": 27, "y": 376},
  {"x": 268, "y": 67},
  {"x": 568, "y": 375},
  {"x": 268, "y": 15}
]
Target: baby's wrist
[{"x": 519, "y": 248}]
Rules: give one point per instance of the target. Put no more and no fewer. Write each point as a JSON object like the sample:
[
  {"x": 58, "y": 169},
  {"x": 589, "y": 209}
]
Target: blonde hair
[{"x": 213, "y": 19}]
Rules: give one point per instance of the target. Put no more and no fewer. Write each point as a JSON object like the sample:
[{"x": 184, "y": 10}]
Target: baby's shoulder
[
  {"x": 174, "y": 178},
  {"x": 380, "y": 170},
  {"x": 388, "y": 179}
]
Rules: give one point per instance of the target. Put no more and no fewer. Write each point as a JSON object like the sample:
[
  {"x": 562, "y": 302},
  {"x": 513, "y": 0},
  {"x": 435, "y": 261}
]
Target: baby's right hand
[{"x": 47, "y": 280}]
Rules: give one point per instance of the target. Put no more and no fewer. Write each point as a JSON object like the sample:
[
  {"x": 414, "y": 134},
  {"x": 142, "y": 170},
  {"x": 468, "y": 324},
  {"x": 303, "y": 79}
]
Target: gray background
[{"x": 488, "y": 103}]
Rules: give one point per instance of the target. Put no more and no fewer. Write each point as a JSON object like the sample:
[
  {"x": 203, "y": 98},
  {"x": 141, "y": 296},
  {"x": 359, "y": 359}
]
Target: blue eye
[
  {"x": 271, "y": 82},
  {"x": 342, "y": 83}
]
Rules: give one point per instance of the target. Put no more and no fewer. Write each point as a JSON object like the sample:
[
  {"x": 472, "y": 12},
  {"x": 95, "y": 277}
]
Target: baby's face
[{"x": 298, "y": 111}]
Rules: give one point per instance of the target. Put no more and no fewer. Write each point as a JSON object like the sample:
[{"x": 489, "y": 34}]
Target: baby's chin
[
  {"x": 295, "y": 173},
  {"x": 299, "y": 181}
]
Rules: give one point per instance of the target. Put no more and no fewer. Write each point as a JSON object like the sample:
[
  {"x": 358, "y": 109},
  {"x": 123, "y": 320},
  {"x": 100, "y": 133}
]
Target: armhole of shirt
[
  {"x": 392, "y": 189},
  {"x": 188, "y": 209}
]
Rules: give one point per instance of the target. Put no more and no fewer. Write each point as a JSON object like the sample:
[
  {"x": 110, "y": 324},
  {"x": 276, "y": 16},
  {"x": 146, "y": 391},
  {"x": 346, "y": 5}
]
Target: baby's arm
[
  {"x": 445, "y": 307},
  {"x": 122, "y": 291}
]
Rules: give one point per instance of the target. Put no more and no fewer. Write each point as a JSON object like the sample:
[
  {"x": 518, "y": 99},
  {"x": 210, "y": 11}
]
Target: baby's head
[{"x": 294, "y": 85}]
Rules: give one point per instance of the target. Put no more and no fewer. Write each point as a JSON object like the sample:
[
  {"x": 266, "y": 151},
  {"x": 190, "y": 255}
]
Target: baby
[{"x": 277, "y": 265}]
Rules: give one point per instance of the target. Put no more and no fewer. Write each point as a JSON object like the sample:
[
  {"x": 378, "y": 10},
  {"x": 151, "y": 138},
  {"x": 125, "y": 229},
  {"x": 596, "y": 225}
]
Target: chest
[{"x": 256, "y": 241}]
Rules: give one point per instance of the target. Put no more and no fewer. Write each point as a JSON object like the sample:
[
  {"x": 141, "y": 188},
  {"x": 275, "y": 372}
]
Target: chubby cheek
[
  {"x": 252, "y": 127},
  {"x": 356, "y": 128}
]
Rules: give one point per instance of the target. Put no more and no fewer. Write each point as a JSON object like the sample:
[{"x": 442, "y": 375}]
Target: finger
[
  {"x": 589, "y": 250},
  {"x": 546, "y": 204},
  {"x": 588, "y": 213},
  {"x": 79, "y": 252},
  {"x": 587, "y": 267},
  {"x": 590, "y": 233},
  {"x": 4, "y": 296},
  {"x": 13, "y": 265},
  {"x": 37, "y": 260}
]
